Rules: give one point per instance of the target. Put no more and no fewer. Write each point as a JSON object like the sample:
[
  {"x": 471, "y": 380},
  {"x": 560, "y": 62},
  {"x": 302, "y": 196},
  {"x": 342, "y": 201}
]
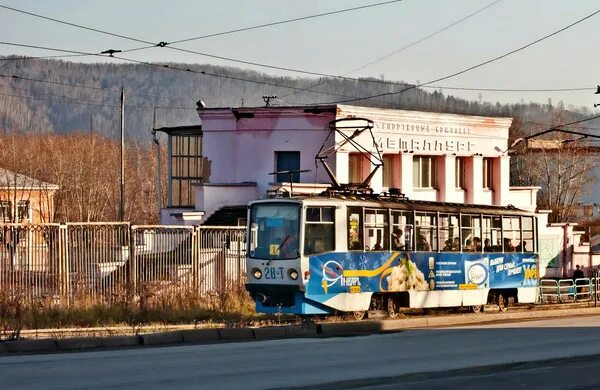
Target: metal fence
[
  {"x": 569, "y": 290},
  {"x": 105, "y": 261}
]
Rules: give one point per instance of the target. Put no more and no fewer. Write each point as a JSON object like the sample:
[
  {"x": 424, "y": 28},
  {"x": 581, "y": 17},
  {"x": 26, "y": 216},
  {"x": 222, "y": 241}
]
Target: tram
[
  {"x": 360, "y": 253},
  {"x": 353, "y": 251}
]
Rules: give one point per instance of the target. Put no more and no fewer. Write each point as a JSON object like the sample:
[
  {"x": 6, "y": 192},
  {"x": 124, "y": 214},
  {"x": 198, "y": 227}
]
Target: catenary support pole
[{"x": 122, "y": 202}]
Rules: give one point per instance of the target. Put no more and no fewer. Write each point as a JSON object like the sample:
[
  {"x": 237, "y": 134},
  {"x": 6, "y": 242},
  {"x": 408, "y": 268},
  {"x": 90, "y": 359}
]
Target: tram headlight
[
  {"x": 293, "y": 274},
  {"x": 256, "y": 273}
]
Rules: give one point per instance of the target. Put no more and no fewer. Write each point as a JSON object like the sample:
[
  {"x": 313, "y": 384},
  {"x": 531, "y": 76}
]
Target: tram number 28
[{"x": 273, "y": 272}]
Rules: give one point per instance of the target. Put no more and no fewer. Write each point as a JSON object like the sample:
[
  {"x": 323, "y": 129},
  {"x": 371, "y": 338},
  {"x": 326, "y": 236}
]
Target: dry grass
[{"x": 153, "y": 305}]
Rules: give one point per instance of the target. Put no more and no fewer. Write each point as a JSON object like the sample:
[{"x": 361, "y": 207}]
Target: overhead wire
[
  {"x": 320, "y": 74},
  {"x": 474, "y": 66},
  {"x": 42, "y": 57},
  {"x": 17, "y": 77},
  {"x": 209, "y": 55},
  {"x": 212, "y": 74},
  {"x": 167, "y": 66},
  {"x": 72, "y": 100},
  {"x": 509, "y": 89},
  {"x": 414, "y": 43}
]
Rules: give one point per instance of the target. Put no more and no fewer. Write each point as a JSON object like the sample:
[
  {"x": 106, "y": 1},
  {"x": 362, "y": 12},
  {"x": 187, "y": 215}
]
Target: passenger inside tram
[
  {"x": 477, "y": 244},
  {"x": 422, "y": 244}
]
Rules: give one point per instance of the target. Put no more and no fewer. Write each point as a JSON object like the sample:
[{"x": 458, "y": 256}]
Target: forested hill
[{"x": 60, "y": 105}]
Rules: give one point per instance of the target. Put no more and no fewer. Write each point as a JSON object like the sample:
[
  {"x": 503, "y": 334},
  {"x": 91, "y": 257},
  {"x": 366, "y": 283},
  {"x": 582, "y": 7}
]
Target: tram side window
[
  {"x": 319, "y": 230},
  {"x": 426, "y": 232},
  {"x": 354, "y": 228},
  {"x": 492, "y": 233},
  {"x": 376, "y": 230},
  {"x": 527, "y": 242},
  {"x": 511, "y": 233},
  {"x": 402, "y": 230},
  {"x": 471, "y": 233},
  {"x": 449, "y": 232}
]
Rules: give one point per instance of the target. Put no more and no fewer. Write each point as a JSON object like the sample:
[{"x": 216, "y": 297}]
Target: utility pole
[{"x": 122, "y": 203}]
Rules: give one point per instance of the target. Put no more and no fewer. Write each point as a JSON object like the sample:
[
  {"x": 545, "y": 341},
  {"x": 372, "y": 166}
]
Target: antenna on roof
[
  {"x": 290, "y": 172},
  {"x": 267, "y": 99}
]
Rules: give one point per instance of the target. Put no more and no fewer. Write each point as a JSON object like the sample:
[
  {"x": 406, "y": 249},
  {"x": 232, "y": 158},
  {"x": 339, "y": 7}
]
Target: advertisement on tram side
[{"x": 354, "y": 272}]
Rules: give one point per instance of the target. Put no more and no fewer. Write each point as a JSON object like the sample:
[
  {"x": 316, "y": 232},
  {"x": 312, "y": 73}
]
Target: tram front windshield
[{"x": 274, "y": 231}]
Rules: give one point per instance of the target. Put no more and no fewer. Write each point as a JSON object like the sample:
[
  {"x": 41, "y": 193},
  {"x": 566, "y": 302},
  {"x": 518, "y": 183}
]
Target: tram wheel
[
  {"x": 358, "y": 315},
  {"x": 393, "y": 307},
  {"x": 477, "y": 309},
  {"x": 502, "y": 303}
]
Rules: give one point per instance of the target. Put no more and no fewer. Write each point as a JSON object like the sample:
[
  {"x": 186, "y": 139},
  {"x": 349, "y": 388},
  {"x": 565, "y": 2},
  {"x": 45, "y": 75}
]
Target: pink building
[{"x": 428, "y": 156}]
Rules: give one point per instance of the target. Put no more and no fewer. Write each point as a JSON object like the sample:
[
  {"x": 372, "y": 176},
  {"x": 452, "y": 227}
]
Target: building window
[
  {"x": 287, "y": 161},
  {"x": 355, "y": 168},
  {"x": 388, "y": 171},
  {"x": 22, "y": 210},
  {"x": 487, "y": 173},
  {"x": 6, "y": 210},
  {"x": 424, "y": 172},
  {"x": 459, "y": 172},
  {"x": 186, "y": 169}
]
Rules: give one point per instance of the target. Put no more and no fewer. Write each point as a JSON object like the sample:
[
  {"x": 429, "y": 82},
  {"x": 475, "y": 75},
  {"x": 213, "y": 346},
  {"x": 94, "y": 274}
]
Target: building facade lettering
[
  {"x": 419, "y": 129},
  {"x": 424, "y": 145}
]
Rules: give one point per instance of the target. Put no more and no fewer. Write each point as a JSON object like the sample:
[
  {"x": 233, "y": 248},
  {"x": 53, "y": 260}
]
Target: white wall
[
  {"x": 243, "y": 150},
  {"x": 212, "y": 197}
]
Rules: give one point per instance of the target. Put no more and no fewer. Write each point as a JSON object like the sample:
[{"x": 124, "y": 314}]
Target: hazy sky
[{"x": 339, "y": 43}]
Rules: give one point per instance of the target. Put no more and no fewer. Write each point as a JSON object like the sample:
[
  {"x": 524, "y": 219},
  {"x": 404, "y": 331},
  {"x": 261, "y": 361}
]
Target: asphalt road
[{"x": 495, "y": 356}]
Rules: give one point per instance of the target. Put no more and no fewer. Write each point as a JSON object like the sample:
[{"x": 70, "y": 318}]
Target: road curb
[
  {"x": 299, "y": 331},
  {"x": 325, "y": 329},
  {"x": 349, "y": 328},
  {"x": 39, "y": 345},
  {"x": 79, "y": 343},
  {"x": 121, "y": 341},
  {"x": 209, "y": 335},
  {"x": 162, "y": 338},
  {"x": 236, "y": 334},
  {"x": 270, "y": 333}
]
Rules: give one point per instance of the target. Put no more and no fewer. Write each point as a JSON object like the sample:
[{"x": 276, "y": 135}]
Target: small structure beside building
[{"x": 24, "y": 199}]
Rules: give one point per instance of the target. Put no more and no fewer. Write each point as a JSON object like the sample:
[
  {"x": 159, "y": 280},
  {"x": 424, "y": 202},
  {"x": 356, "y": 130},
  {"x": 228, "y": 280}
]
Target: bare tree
[
  {"x": 563, "y": 167},
  {"x": 86, "y": 168}
]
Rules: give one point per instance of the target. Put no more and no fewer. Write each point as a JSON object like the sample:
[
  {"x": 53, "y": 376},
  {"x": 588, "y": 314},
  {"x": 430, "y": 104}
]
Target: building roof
[
  {"x": 182, "y": 130},
  {"x": 10, "y": 179},
  {"x": 343, "y": 110}
]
